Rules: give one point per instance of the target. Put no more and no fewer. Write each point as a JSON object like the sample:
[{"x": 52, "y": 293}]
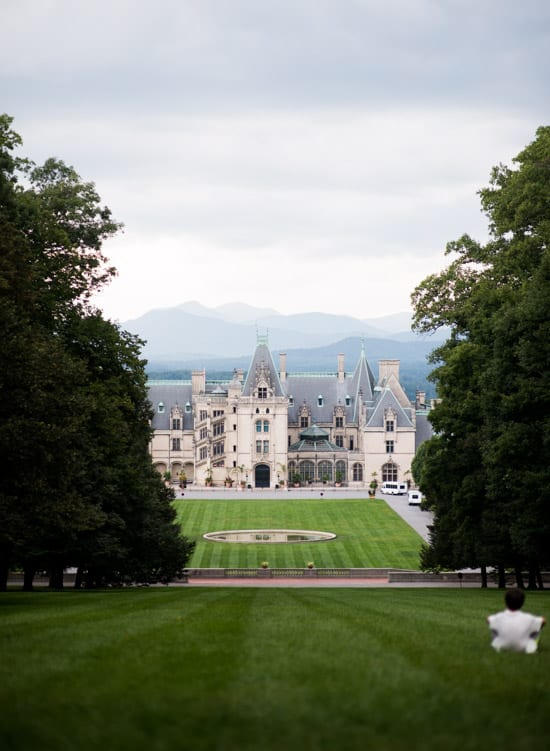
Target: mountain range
[
  {"x": 193, "y": 331},
  {"x": 191, "y": 336}
]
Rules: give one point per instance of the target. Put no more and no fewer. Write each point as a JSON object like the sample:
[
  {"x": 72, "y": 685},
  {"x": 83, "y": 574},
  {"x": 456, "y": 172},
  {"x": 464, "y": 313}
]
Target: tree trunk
[
  {"x": 78, "y": 579},
  {"x": 519, "y": 576},
  {"x": 28, "y": 577},
  {"x": 56, "y": 576},
  {"x": 484, "y": 577},
  {"x": 501, "y": 577},
  {"x": 4, "y": 570}
]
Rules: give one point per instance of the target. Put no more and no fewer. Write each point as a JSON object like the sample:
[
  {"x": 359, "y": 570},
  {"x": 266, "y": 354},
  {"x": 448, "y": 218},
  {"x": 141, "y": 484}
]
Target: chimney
[
  {"x": 198, "y": 382},
  {"x": 387, "y": 368},
  {"x": 282, "y": 366},
  {"x": 341, "y": 372},
  {"x": 420, "y": 399}
]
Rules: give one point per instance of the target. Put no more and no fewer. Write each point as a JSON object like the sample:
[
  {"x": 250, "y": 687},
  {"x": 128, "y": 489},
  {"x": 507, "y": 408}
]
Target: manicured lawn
[
  {"x": 251, "y": 669},
  {"x": 369, "y": 533}
]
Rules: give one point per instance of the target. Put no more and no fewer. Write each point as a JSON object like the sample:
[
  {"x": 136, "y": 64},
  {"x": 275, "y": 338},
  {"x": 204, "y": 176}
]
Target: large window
[
  {"x": 176, "y": 444},
  {"x": 341, "y": 471},
  {"x": 262, "y": 392},
  {"x": 176, "y": 423},
  {"x": 307, "y": 471},
  {"x": 262, "y": 426},
  {"x": 389, "y": 447},
  {"x": 262, "y": 447},
  {"x": 218, "y": 428},
  {"x": 218, "y": 448},
  {"x": 357, "y": 472},
  {"x": 304, "y": 421},
  {"x": 389, "y": 426},
  {"x": 324, "y": 471},
  {"x": 389, "y": 472},
  {"x": 339, "y": 441},
  {"x": 339, "y": 422}
]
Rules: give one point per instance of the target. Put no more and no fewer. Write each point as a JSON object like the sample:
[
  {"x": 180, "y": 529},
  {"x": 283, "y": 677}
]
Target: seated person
[{"x": 513, "y": 629}]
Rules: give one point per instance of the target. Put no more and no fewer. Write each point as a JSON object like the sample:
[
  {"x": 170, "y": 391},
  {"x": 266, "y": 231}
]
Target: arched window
[
  {"x": 389, "y": 472},
  {"x": 357, "y": 472},
  {"x": 291, "y": 471},
  {"x": 324, "y": 471},
  {"x": 341, "y": 471},
  {"x": 307, "y": 471}
]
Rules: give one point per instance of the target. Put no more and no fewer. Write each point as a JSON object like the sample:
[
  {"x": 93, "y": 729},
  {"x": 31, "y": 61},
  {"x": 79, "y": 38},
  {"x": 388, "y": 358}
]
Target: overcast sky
[{"x": 295, "y": 154}]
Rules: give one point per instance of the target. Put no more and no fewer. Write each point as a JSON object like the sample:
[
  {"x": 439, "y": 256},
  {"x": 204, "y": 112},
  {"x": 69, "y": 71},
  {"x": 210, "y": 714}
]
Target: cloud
[{"x": 267, "y": 151}]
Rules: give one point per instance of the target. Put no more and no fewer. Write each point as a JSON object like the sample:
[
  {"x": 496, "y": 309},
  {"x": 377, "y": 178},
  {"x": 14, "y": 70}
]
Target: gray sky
[{"x": 295, "y": 154}]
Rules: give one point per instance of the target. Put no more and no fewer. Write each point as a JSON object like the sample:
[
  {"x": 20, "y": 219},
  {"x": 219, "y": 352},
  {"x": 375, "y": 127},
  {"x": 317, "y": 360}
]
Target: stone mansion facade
[{"x": 273, "y": 427}]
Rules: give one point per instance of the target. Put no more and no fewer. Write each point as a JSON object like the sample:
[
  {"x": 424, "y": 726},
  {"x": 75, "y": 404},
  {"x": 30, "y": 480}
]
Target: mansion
[{"x": 273, "y": 427}]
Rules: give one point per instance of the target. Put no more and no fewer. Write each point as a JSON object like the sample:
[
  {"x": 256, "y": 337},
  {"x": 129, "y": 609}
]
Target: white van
[
  {"x": 415, "y": 497},
  {"x": 394, "y": 488}
]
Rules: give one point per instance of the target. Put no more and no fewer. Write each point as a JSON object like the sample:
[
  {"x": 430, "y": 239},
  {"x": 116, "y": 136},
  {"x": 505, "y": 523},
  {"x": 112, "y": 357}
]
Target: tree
[
  {"x": 78, "y": 486},
  {"x": 492, "y": 377}
]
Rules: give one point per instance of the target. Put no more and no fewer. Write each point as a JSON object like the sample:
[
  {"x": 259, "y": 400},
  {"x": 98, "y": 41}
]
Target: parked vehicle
[
  {"x": 394, "y": 488},
  {"x": 415, "y": 497}
]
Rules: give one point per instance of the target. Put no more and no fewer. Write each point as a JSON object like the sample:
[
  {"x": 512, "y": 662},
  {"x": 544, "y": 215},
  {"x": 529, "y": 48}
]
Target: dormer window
[
  {"x": 291, "y": 399},
  {"x": 160, "y": 407},
  {"x": 262, "y": 392},
  {"x": 320, "y": 400},
  {"x": 348, "y": 400},
  {"x": 188, "y": 407}
]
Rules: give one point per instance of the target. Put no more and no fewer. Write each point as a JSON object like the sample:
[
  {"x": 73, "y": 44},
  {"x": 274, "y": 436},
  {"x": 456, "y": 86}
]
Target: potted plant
[
  {"x": 264, "y": 569},
  {"x": 282, "y": 468},
  {"x": 167, "y": 476},
  {"x": 309, "y": 568},
  {"x": 373, "y": 485},
  {"x": 208, "y": 477},
  {"x": 325, "y": 479},
  {"x": 228, "y": 482},
  {"x": 338, "y": 479},
  {"x": 183, "y": 479},
  {"x": 296, "y": 480}
]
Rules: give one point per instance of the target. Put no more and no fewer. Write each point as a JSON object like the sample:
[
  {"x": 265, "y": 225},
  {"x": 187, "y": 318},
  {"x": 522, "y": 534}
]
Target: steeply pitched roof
[
  {"x": 362, "y": 383},
  {"x": 262, "y": 367},
  {"x": 386, "y": 399}
]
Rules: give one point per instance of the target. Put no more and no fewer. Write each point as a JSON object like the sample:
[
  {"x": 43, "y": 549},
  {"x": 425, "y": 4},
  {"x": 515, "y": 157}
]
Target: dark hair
[{"x": 514, "y": 598}]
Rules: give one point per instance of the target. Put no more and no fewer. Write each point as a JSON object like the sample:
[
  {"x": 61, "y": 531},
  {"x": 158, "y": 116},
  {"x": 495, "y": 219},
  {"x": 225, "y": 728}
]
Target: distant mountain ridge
[{"x": 191, "y": 331}]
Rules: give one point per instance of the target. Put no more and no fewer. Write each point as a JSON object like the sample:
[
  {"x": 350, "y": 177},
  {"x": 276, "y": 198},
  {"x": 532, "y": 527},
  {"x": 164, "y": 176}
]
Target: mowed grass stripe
[
  {"x": 266, "y": 669},
  {"x": 369, "y": 533}
]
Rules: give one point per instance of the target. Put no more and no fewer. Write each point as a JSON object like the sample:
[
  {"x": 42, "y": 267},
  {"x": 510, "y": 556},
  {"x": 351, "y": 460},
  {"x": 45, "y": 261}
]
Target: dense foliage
[
  {"x": 77, "y": 486},
  {"x": 486, "y": 473}
]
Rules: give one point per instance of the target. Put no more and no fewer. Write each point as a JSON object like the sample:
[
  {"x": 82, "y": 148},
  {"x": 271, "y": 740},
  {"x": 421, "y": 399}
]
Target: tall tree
[
  {"x": 78, "y": 485},
  {"x": 494, "y": 297}
]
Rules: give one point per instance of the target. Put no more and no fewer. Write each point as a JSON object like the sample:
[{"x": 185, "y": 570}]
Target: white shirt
[{"x": 515, "y": 630}]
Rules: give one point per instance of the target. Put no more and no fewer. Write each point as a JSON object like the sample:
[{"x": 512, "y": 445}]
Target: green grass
[
  {"x": 369, "y": 533},
  {"x": 252, "y": 669}
]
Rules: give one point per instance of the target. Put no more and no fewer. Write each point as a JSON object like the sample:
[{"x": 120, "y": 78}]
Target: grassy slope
[
  {"x": 369, "y": 533},
  {"x": 266, "y": 669}
]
